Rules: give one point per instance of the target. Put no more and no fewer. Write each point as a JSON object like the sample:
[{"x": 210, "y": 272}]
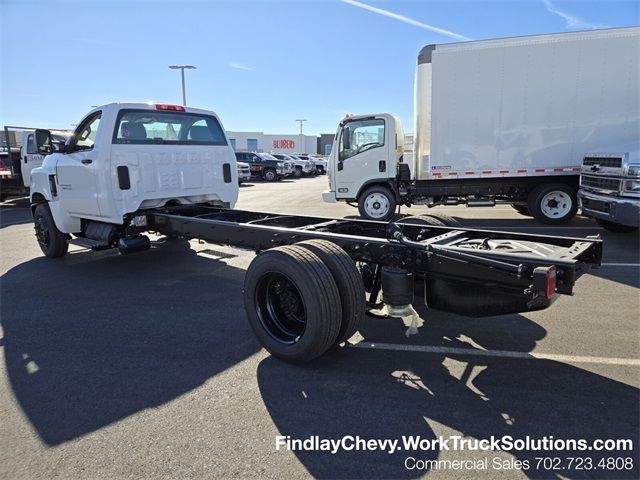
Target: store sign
[{"x": 289, "y": 144}]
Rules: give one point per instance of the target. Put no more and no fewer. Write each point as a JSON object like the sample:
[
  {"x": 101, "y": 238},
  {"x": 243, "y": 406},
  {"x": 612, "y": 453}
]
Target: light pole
[
  {"x": 181, "y": 68},
  {"x": 301, "y": 120}
]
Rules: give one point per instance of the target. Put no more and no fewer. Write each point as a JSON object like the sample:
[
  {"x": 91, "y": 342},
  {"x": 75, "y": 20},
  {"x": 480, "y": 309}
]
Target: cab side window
[
  {"x": 85, "y": 136},
  {"x": 360, "y": 136}
]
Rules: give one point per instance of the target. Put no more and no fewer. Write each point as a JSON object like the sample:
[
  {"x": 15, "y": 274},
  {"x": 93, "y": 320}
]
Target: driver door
[
  {"x": 362, "y": 157},
  {"x": 30, "y": 158},
  {"x": 77, "y": 170}
]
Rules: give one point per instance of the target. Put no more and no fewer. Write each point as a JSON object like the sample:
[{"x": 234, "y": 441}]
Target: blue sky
[{"x": 261, "y": 64}]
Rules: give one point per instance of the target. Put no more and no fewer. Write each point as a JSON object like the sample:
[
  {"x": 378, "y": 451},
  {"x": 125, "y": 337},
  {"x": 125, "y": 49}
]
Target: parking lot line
[
  {"x": 498, "y": 353},
  {"x": 620, "y": 264}
]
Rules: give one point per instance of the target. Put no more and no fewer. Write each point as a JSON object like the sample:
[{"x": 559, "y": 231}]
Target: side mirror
[
  {"x": 44, "y": 145},
  {"x": 346, "y": 139}
]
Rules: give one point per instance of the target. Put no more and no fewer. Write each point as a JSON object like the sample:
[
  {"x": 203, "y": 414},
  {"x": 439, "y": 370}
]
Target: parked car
[
  {"x": 244, "y": 172},
  {"x": 262, "y": 165},
  {"x": 319, "y": 163},
  {"x": 300, "y": 167}
]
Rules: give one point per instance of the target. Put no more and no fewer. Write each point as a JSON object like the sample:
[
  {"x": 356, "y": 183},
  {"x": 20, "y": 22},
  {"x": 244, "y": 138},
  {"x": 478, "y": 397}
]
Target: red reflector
[
  {"x": 551, "y": 282},
  {"x": 172, "y": 108}
]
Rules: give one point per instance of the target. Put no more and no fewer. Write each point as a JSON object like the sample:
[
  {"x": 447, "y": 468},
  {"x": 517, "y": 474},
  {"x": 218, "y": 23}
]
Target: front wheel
[
  {"x": 615, "y": 227},
  {"x": 52, "y": 241},
  {"x": 377, "y": 203},
  {"x": 297, "y": 172},
  {"x": 553, "y": 204},
  {"x": 270, "y": 175}
]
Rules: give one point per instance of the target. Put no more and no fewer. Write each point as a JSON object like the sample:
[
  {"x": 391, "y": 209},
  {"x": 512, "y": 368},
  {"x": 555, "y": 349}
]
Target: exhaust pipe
[
  {"x": 134, "y": 243},
  {"x": 481, "y": 202}
]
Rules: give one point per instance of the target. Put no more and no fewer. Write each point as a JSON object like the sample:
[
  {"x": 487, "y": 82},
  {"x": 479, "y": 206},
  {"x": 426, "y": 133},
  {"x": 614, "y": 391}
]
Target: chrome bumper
[{"x": 625, "y": 211}]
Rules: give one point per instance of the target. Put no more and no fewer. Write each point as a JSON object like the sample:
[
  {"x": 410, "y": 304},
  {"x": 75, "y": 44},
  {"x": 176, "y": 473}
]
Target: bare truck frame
[{"x": 305, "y": 263}]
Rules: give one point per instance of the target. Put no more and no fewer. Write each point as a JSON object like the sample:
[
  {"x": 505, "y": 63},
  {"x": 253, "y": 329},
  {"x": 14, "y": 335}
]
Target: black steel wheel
[
  {"x": 349, "y": 282},
  {"x": 292, "y": 303},
  {"x": 52, "y": 242}
]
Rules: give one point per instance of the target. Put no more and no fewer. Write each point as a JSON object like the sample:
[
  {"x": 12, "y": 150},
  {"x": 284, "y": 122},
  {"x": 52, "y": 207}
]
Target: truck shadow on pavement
[
  {"x": 89, "y": 341},
  {"x": 378, "y": 394}
]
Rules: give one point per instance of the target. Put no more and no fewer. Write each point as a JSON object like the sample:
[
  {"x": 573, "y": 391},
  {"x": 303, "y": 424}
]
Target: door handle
[{"x": 87, "y": 161}]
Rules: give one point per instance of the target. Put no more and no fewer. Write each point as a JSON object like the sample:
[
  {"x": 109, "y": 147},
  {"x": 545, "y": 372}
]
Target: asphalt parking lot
[{"x": 144, "y": 366}]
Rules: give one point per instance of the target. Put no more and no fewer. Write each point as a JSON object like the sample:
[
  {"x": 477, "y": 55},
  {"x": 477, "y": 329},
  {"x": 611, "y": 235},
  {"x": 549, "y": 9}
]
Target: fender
[
  {"x": 44, "y": 189},
  {"x": 389, "y": 183}
]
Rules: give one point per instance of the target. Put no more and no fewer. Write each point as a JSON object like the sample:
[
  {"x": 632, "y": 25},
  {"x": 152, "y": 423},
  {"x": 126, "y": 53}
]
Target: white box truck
[{"x": 507, "y": 119}]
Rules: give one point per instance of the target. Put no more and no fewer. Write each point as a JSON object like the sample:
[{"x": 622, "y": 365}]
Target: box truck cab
[
  {"x": 507, "y": 119},
  {"x": 126, "y": 157}
]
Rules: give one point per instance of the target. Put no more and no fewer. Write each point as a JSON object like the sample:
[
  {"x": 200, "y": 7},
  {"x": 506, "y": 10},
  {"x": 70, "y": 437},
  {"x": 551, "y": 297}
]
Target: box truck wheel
[
  {"x": 52, "y": 241},
  {"x": 553, "y": 203},
  {"x": 349, "y": 282},
  {"x": 292, "y": 303},
  {"x": 377, "y": 203}
]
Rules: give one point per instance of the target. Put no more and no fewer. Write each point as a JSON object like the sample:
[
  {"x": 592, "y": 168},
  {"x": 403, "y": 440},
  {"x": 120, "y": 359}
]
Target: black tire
[
  {"x": 297, "y": 172},
  {"x": 320, "y": 170},
  {"x": 446, "y": 220},
  {"x": 377, "y": 203},
  {"x": 269, "y": 175},
  {"x": 349, "y": 282},
  {"x": 615, "y": 227},
  {"x": 521, "y": 208},
  {"x": 553, "y": 203},
  {"x": 52, "y": 241},
  {"x": 291, "y": 301},
  {"x": 423, "y": 220}
]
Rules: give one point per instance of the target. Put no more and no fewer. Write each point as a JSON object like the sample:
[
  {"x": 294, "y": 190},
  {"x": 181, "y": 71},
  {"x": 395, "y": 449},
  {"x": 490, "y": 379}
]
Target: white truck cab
[
  {"x": 365, "y": 154},
  {"x": 126, "y": 157}
]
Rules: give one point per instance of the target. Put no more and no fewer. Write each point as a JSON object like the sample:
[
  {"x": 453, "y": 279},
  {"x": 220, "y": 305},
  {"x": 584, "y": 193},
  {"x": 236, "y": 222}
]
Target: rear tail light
[
  {"x": 172, "y": 108},
  {"x": 544, "y": 281},
  {"x": 551, "y": 282}
]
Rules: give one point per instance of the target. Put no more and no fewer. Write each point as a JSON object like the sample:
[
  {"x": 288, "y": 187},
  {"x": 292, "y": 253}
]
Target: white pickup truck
[{"x": 133, "y": 168}]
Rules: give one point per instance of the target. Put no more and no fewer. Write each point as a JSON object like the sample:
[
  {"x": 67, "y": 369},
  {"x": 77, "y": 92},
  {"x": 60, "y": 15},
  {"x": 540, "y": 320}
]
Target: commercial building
[{"x": 276, "y": 143}]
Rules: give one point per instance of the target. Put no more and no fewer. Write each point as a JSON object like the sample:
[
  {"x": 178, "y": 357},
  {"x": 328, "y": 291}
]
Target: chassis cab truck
[
  {"x": 506, "y": 120},
  {"x": 130, "y": 169}
]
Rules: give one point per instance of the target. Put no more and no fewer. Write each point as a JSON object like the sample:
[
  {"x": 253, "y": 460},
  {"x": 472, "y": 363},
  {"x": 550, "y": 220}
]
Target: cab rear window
[{"x": 140, "y": 127}]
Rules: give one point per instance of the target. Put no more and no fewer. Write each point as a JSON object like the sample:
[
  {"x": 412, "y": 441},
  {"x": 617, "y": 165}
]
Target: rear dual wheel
[{"x": 303, "y": 299}]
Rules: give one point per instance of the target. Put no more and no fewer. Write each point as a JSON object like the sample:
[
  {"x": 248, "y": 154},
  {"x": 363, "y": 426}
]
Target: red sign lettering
[{"x": 287, "y": 144}]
